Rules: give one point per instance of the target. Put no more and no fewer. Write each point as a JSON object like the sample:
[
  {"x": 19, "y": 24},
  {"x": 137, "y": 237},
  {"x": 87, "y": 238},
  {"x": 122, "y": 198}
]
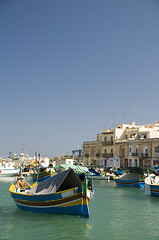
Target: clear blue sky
[{"x": 68, "y": 66}]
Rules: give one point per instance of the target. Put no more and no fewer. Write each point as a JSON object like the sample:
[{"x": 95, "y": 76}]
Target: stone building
[
  {"x": 92, "y": 153},
  {"x": 126, "y": 144}
]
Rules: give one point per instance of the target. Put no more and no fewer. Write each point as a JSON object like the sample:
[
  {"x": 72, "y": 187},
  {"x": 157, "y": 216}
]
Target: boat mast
[{"x": 36, "y": 165}]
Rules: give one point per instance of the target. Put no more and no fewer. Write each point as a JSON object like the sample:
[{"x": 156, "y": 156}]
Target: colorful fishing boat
[
  {"x": 96, "y": 172},
  {"x": 130, "y": 180},
  {"x": 63, "y": 193},
  {"x": 152, "y": 186},
  {"x": 98, "y": 175},
  {"x": 41, "y": 175},
  {"x": 134, "y": 178}
]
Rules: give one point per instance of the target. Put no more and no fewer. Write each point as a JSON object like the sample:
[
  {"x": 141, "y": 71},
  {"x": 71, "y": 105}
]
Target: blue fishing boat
[
  {"x": 130, "y": 180},
  {"x": 63, "y": 193},
  {"x": 134, "y": 178},
  {"x": 98, "y": 175},
  {"x": 41, "y": 175}
]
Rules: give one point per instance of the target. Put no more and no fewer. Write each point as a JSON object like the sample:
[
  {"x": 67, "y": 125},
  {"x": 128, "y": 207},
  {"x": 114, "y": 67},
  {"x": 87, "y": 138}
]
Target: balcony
[
  {"x": 135, "y": 154},
  {"x": 156, "y": 154},
  {"x": 98, "y": 155},
  {"x": 105, "y": 143},
  {"x": 107, "y": 155},
  {"x": 144, "y": 155},
  {"x": 86, "y": 155}
]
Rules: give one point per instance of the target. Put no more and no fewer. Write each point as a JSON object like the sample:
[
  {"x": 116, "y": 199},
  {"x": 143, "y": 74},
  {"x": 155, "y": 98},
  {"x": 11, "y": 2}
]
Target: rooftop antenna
[
  {"x": 123, "y": 116},
  {"x": 112, "y": 120},
  {"x": 134, "y": 107}
]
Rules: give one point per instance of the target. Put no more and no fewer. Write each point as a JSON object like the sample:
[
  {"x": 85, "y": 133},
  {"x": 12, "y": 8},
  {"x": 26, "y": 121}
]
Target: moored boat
[
  {"x": 41, "y": 175},
  {"x": 63, "y": 193},
  {"x": 98, "y": 175},
  {"x": 8, "y": 169},
  {"x": 130, "y": 180},
  {"x": 152, "y": 186},
  {"x": 103, "y": 177}
]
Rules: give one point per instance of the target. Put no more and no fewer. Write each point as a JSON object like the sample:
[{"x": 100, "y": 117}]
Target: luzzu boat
[
  {"x": 130, "y": 180},
  {"x": 98, "y": 175},
  {"x": 63, "y": 193},
  {"x": 42, "y": 175},
  {"x": 152, "y": 186}
]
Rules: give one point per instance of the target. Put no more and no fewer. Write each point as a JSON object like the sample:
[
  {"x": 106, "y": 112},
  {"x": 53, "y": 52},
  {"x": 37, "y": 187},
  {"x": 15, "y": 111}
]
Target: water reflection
[
  {"x": 7, "y": 179},
  {"x": 46, "y": 226}
]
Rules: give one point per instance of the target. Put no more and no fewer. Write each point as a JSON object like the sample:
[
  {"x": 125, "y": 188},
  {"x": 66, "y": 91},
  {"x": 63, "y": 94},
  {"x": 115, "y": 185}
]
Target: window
[
  {"x": 105, "y": 139},
  {"x": 111, "y": 150},
  {"x": 111, "y": 138},
  {"x": 105, "y": 150},
  {"x": 157, "y": 149},
  {"x": 129, "y": 162},
  {"x": 122, "y": 152},
  {"x": 146, "y": 150},
  {"x": 135, "y": 162},
  {"x": 129, "y": 149}
]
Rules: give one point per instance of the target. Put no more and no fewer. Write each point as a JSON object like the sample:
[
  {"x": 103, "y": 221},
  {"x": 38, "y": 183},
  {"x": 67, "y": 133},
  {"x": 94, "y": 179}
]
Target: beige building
[
  {"x": 125, "y": 145},
  {"x": 92, "y": 152}
]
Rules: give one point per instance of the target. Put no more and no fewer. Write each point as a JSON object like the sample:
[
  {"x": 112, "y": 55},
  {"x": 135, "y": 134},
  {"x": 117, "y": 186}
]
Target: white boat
[
  {"x": 152, "y": 185},
  {"x": 8, "y": 169}
]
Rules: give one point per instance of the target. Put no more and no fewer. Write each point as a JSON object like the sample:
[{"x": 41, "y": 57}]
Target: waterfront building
[
  {"x": 125, "y": 145},
  {"x": 92, "y": 152}
]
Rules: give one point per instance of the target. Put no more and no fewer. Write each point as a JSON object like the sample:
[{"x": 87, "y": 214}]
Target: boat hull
[
  {"x": 130, "y": 183},
  {"x": 67, "y": 202},
  {"x": 74, "y": 209},
  {"x": 9, "y": 172},
  {"x": 106, "y": 177},
  {"x": 42, "y": 176},
  {"x": 154, "y": 190}
]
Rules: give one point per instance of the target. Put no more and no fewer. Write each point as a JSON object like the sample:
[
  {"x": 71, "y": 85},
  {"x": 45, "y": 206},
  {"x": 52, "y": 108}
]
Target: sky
[{"x": 71, "y": 68}]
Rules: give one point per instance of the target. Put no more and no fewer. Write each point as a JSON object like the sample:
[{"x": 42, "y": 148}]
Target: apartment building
[
  {"x": 125, "y": 145},
  {"x": 92, "y": 153}
]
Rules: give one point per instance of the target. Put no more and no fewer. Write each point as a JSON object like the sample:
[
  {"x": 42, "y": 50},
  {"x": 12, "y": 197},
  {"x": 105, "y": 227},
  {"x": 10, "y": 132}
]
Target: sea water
[{"x": 115, "y": 213}]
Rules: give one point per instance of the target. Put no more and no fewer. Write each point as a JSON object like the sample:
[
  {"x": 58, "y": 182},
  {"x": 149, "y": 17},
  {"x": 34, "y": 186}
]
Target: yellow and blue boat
[
  {"x": 134, "y": 178},
  {"x": 130, "y": 180},
  {"x": 63, "y": 193},
  {"x": 41, "y": 175},
  {"x": 152, "y": 186}
]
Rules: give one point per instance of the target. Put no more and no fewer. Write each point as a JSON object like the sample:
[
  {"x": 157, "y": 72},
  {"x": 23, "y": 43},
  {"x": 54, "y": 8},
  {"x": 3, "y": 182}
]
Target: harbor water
[{"x": 115, "y": 213}]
